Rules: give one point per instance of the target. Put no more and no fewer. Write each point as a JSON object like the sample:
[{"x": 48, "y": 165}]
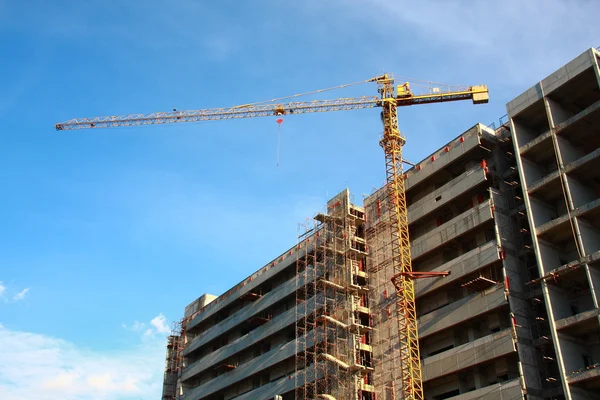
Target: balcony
[
  {"x": 452, "y": 229},
  {"x": 258, "y": 364},
  {"x": 277, "y": 324},
  {"x": 498, "y": 391},
  {"x": 469, "y": 354},
  {"x": 559, "y": 229},
  {"x": 471, "y": 142},
  {"x": 243, "y": 315},
  {"x": 445, "y": 194},
  {"x": 279, "y": 386},
  {"x": 460, "y": 311},
  {"x": 581, "y": 324},
  {"x": 460, "y": 267}
]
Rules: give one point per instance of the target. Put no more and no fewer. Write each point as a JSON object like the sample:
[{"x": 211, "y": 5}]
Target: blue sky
[{"x": 106, "y": 235}]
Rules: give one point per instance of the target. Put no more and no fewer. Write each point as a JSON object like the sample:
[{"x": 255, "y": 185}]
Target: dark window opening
[
  {"x": 503, "y": 377},
  {"x": 433, "y": 353},
  {"x": 447, "y": 395}
]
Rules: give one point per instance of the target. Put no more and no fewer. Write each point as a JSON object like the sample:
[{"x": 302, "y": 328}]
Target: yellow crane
[{"x": 390, "y": 98}]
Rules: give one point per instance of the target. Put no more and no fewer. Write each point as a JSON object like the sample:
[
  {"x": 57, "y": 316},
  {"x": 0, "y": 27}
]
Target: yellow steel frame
[{"x": 392, "y": 143}]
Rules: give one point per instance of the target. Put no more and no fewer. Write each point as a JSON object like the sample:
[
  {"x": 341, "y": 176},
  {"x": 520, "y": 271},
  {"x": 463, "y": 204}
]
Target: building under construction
[{"x": 512, "y": 213}]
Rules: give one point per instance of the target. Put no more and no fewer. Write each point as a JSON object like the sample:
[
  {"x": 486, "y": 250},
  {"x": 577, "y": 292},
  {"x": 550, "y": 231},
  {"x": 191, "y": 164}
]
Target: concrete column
[
  {"x": 592, "y": 281},
  {"x": 565, "y": 186},
  {"x": 477, "y": 378}
]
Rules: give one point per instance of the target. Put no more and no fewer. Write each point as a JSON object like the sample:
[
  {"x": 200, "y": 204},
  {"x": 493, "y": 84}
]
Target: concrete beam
[
  {"x": 469, "y": 354},
  {"x": 450, "y": 191},
  {"x": 593, "y": 373},
  {"x": 523, "y": 150},
  {"x": 250, "y": 283},
  {"x": 457, "y": 148},
  {"x": 243, "y": 314},
  {"x": 280, "y": 386},
  {"x": 258, "y": 364},
  {"x": 459, "y": 267},
  {"x": 452, "y": 229},
  {"x": 565, "y": 218},
  {"x": 277, "y": 324},
  {"x": 552, "y": 176},
  {"x": 582, "y": 161},
  {"x": 280, "y": 263},
  {"x": 577, "y": 117},
  {"x": 567, "y": 72},
  {"x": 550, "y": 83},
  {"x": 499, "y": 391},
  {"x": 524, "y": 100},
  {"x": 578, "y": 318},
  {"x": 461, "y": 311}
]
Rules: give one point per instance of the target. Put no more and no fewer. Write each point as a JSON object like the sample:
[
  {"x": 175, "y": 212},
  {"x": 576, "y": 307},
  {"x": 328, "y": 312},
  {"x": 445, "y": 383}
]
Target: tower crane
[{"x": 389, "y": 99}]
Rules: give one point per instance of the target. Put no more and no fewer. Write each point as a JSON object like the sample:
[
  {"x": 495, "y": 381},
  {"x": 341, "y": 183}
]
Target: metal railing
[{"x": 501, "y": 121}]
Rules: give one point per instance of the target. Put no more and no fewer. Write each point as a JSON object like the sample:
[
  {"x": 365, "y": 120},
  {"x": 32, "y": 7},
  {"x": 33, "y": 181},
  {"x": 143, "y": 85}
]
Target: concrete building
[
  {"x": 512, "y": 213},
  {"x": 462, "y": 219},
  {"x": 556, "y": 132},
  {"x": 298, "y": 327}
]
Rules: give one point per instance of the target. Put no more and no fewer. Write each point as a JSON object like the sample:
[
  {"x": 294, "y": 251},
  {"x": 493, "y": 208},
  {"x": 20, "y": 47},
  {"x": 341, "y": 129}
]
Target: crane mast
[
  {"x": 389, "y": 99},
  {"x": 392, "y": 143}
]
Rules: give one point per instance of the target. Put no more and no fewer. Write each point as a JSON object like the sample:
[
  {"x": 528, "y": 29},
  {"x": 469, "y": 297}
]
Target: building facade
[
  {"x": 555, "y": 126},
  {"x": 511, "y": 213}
]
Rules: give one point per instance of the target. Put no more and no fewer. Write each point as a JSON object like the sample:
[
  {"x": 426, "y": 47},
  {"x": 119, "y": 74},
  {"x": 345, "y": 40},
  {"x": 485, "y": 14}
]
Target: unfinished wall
[{"x": 555, "y": 127}]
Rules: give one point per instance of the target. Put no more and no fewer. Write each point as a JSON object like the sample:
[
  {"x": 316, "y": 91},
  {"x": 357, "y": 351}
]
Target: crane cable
[{"x": 301, "y": 94}]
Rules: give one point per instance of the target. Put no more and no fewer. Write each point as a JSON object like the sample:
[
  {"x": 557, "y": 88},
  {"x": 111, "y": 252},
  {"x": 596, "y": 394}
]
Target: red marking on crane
[
  {"x": 279, "y": 120},
  {"x": 462, "y": 139},
  {"x": 447, "y": 149}
]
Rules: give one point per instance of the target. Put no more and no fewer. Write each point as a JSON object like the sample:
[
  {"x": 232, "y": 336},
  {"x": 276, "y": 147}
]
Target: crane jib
[
  {"x": 222, "y": 113},
  {"x": 391, "y": 97}
]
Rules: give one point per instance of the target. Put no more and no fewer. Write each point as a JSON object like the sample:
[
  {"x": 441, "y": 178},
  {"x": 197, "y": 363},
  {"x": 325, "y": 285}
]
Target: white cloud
[
  {"x": 6, "y": 294},
  {"x": 160, "y": 324},
  {"x": 135, "y": 327},
  {"x": 37, "y": 366},
  {"x": 21, "y": 295},
  {"x": 503, "y": 36},
  {"x": 158, "y": 327}
]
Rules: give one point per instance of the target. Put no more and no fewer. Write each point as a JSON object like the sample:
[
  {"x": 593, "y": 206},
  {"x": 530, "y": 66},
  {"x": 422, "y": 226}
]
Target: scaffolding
[
  {"x": 529, "y": 319},
  {"x": 332, "y": 354},
  {"x": 174, "y": 359},
  {"x": 387, "y": 376}
]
